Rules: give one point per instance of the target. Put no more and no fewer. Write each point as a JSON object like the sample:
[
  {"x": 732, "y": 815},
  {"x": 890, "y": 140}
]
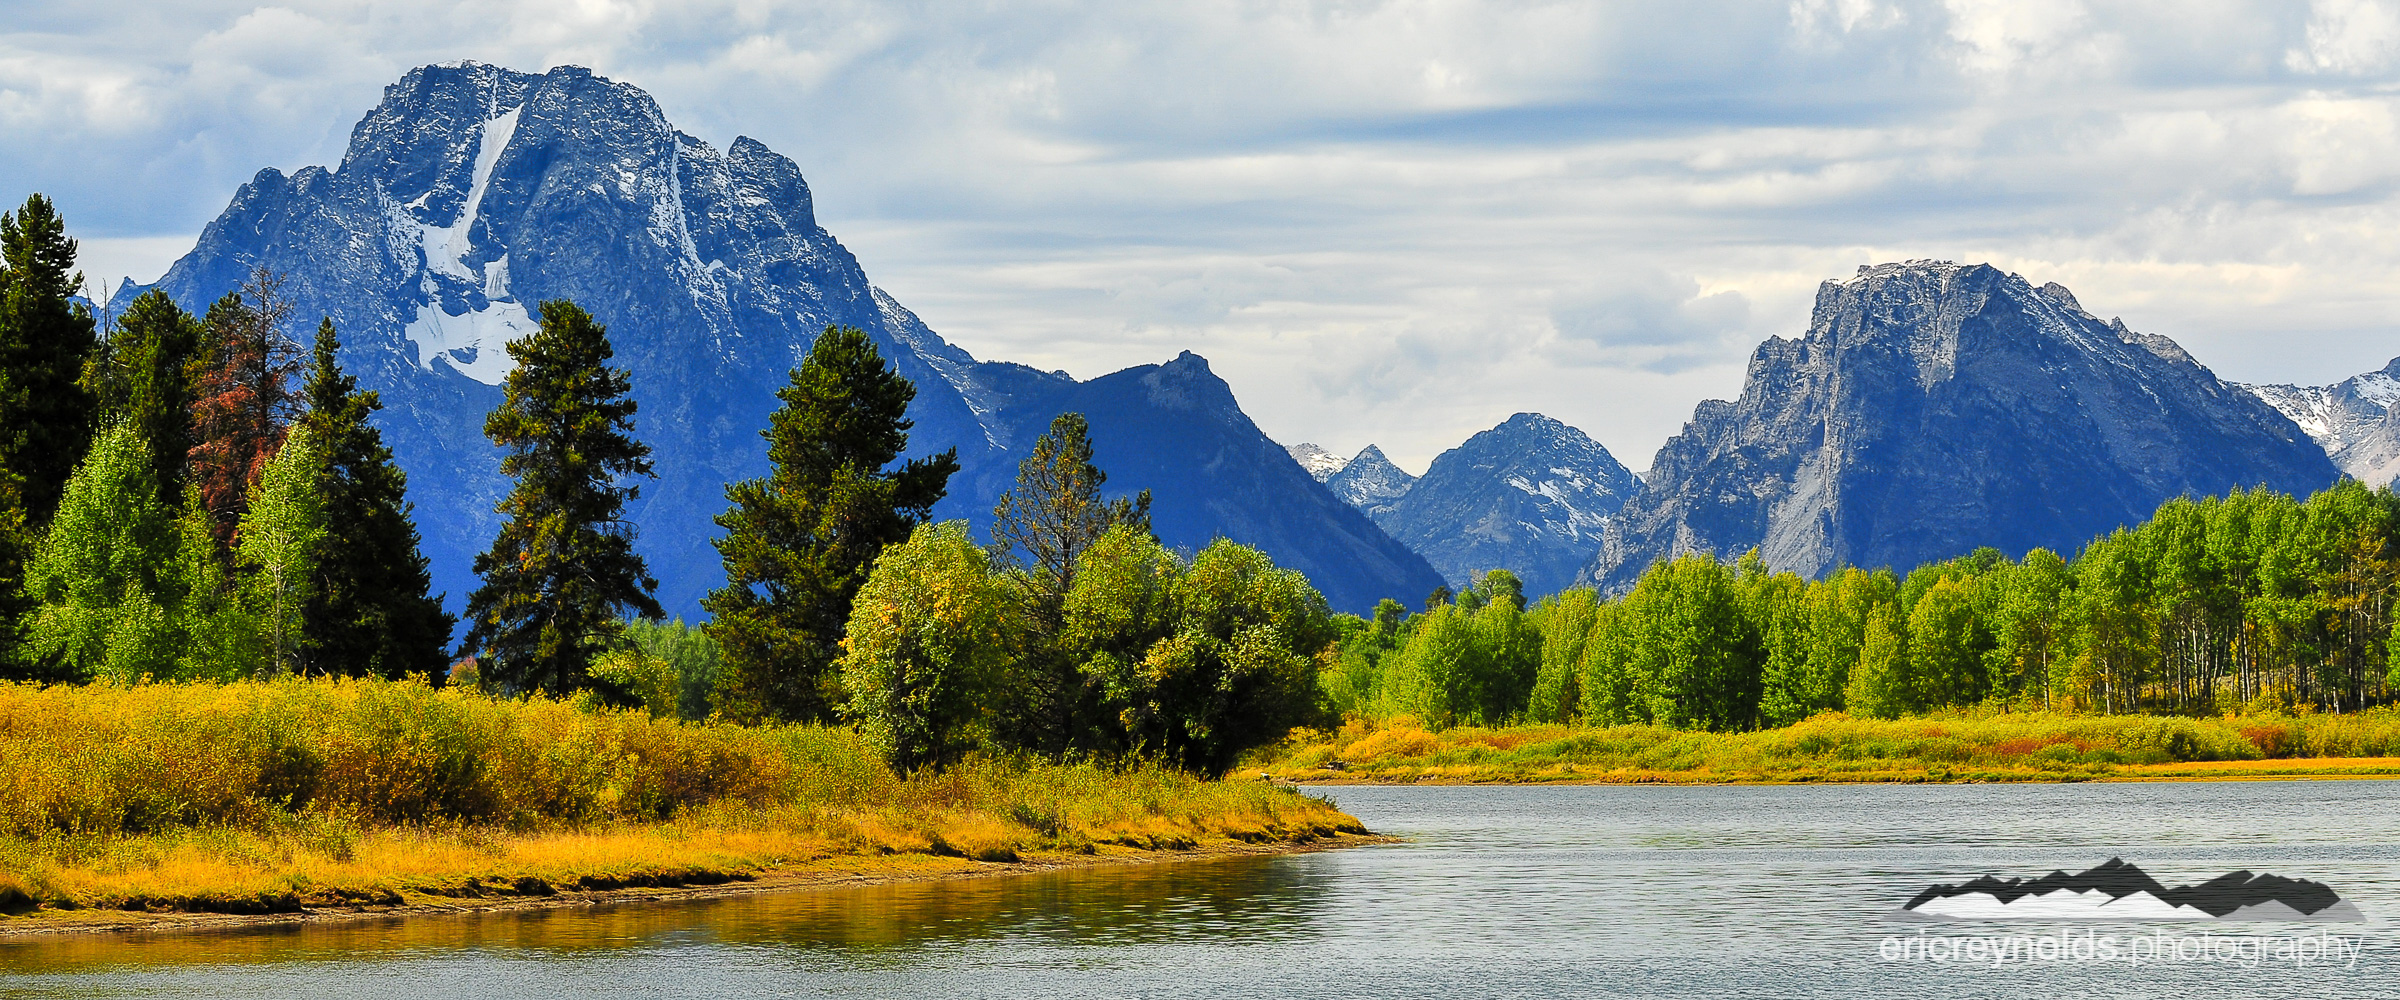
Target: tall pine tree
[
  {"x": 800, "y": 541},
  {"x": 45, "y": 412},
  {"x": 370, "y": 614},
  {"x": 143, "y": 374},
  {"x": 243, "y": 401},
  {"x": 558, "y": 579},
  {"x": 1055, "y": 512},
  {"x": 1044, "y": 526}
]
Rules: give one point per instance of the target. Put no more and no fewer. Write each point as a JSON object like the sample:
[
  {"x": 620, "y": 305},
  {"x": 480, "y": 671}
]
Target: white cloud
[{"x": 2348, "y": 37}]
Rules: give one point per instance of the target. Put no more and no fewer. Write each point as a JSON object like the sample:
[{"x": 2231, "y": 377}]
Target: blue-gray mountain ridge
[
  {"x": 473, "y": 192},
  {"x": 1932, "y": 408},
  {"x": 1530, "y": 496}
]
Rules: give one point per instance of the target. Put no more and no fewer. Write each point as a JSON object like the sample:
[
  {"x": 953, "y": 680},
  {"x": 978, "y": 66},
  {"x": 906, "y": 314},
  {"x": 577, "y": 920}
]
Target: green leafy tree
[
  {"x": 1565, "y": 621},
  {"x": 1882, "y": 684},
  {"x": 370, "y": 612},
  {"x": 220, "y": 634},
  {"x": 1354, "y": 684},
  {"x": 563, "y": 569},
  {"x": 143, "y": 375},
  {"x": 1689, "y": 655},
  {"x": 930, "y": 637},
  {"x": 104, "y": 598},
  {"x": 2028, "y": 625},
  {"x": 46, "y": 414},
  {"x": 282, "y": 535},
  {"x": 1945, "y": 647},
  {"x": 1233, "y": 666},
  {"x": 801, "y": 541}
]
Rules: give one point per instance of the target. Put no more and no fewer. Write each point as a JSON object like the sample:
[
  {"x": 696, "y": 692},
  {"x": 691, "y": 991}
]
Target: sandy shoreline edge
[
  {"x": 2287, "y": 769},
  {"x": 844, "y": 871}
]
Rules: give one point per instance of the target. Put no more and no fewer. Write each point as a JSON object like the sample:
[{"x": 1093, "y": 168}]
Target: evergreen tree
[
  {"x": 46, "y": 415},
  {"x": 16, "y": 550},
  {"x": 562, "y": 572},
  {"x": 1056, "y": 512},
  {"x": 243, "y": 403},
  {"x": 800, "y": 541},
  {"x": 1042, "y": 527},
  {"x": 369, "y": 613},
  {"x": 143, "y": 375}
]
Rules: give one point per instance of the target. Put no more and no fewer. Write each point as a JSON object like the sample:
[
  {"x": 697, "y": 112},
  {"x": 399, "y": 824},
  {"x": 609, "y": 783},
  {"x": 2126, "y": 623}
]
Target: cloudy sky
[{"x": 1388, "y": 222}]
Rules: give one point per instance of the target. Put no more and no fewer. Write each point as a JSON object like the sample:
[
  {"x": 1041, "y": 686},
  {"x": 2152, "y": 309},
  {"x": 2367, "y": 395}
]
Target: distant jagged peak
[
  {"x": 1320, "y": 464},
  {"x": 1370, "y": 482}
]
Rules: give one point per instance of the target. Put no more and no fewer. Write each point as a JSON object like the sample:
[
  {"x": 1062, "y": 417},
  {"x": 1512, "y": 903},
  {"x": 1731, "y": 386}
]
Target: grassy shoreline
[
  {"x": 125, "y": 805},
  {"x": 1834, "y": 748},
  {"x": 494, "y": 893}
]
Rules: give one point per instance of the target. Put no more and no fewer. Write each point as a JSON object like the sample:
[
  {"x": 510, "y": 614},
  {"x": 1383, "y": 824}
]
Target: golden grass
[
  {"x": 1977, "y": 745},
  {"x": 288, "y": 795}
]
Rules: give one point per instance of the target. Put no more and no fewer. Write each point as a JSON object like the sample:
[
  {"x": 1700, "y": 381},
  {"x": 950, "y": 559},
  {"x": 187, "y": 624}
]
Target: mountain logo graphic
[{"x": 2119, "y": 891}]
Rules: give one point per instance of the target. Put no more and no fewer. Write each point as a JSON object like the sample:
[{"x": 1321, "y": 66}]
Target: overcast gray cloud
[{"x": 1395, "y": 222}]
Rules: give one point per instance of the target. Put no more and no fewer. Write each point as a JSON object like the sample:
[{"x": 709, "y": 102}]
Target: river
[{"x": 1592, "y": 891}]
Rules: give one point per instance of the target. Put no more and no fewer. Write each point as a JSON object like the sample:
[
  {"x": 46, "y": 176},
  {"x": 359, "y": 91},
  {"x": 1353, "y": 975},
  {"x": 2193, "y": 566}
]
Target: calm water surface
[{"x": 1585, "y": 891}]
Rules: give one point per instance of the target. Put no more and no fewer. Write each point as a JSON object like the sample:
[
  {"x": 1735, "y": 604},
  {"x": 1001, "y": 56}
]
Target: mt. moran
[{"x": 473, "y": 192}]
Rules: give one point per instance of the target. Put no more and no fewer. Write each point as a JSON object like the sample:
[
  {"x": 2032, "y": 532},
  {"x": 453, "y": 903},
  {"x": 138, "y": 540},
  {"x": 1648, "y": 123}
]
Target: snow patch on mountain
[
  {"x": 1321, "y": 464},
  {"x": 475, "y": 343}
]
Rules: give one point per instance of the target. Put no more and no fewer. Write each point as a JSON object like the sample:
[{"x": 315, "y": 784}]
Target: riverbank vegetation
[
  {"x": 1969, "y": 745},
  {"x": 2254, "y": 602},
  {"x": 276, "y": 796}
]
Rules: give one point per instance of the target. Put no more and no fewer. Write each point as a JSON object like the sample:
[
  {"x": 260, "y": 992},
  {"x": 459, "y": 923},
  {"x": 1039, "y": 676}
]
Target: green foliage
[
  {"x": 104, "y": 603},
  {"x": 1196, "y": 663},
  {"x": 563, "y": 569},
  {"x": 1683, "y": 650},
  {"x": 801, "y": 541},
  {"x": 45, "y": 337},
  {"x": 281, "y": 536},
  {"x": 930, "y": 638},
  {"x": 686, "y": 653},
  {"x": 1883, "y": 685},
  {"x": 1475, "y": 662},
  {"x": 1354, "y": 684},
  {"x": 369, "y": 612}
]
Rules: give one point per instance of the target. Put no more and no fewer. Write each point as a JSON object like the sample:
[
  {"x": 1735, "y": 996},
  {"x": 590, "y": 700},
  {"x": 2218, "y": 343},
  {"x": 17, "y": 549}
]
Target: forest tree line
[
  {"x": 2249, "y": 601},
  {"x": 191, "y": 498}
]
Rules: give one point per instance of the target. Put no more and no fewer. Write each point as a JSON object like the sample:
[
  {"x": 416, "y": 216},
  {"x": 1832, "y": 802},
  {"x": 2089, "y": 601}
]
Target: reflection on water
[{"x": 1593, "y": 891}]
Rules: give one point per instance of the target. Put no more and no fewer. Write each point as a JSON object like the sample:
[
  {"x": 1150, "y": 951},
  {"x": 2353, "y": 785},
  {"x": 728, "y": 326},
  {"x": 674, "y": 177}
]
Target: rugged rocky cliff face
[
  {"x": 1934, "y": 407},
  {"x": 473, "y": 192},
  {"x": 2355, "y": 420},
  {"x": 1529, "y": 496}
]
